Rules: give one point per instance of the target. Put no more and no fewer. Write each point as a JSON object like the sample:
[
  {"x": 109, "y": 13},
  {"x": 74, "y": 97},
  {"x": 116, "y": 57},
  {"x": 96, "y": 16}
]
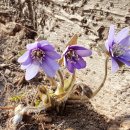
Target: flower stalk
[
  {"x": 104, "y": 79},
  {"x": 69, "y": 89},
  {"x": 61, "y": 78},
  {"x": 59, "y": 90}
]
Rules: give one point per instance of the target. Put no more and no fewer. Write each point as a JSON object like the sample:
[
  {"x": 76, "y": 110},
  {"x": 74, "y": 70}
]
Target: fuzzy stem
[
  {"x": 61, "y": 78},
  {"x": 52, "y": 81},
  {"x": 104, "y": 79},
  {"x": 69, "y": 90}
]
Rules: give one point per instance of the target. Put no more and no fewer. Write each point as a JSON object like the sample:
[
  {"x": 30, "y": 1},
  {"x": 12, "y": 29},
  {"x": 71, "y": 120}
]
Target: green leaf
[
  {"x": 67, "y": 83},
  {"x": 17, "y": 98},
  {"x": 37, "y": 102}
]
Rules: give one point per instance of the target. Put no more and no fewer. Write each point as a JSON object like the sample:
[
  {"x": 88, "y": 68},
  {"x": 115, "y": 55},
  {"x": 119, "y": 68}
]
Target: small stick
[{"x": 7, "y": 108}]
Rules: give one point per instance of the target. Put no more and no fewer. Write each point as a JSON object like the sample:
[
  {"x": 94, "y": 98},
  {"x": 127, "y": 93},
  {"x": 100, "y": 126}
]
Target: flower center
[
  {"x": 38, "y": 54},
  {"x": 118, "y": 50},
  {"x": 71, "y": 54}
]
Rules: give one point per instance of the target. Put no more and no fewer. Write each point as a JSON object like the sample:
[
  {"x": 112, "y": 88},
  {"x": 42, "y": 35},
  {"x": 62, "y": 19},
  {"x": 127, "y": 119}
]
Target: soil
[{"x": 58, "y": 20}]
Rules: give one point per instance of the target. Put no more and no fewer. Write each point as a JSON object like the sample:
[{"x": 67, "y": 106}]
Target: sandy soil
[{"x": 58, "y": 21}]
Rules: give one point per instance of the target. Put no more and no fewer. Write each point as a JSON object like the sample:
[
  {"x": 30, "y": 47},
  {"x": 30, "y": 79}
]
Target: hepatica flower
[
  {"x": 118, "y": 47},
  {"x": 73, "y": 57},
  {"x": 39, "y": 55}
]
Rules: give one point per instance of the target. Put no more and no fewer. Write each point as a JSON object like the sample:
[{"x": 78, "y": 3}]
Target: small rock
[
  {"x": 98, "y": 18},
  {"x": 113, "y": 127},
  {"x": 7, "y": 71},
  {"x": 69, "y": 129},
  {"x": 3, "y": 65},
  {"x": 110, "y": 18},
  {"x": 43, "y": 118},
  {"x": 125, "y": 125}
]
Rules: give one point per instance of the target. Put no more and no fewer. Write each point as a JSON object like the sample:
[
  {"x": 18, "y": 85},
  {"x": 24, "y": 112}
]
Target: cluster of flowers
[{"x": 42, "y": 55}]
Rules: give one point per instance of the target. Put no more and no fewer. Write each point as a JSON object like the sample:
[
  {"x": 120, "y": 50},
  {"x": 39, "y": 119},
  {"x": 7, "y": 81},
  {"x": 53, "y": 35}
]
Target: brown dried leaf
[{"x": 73, "y": 40}]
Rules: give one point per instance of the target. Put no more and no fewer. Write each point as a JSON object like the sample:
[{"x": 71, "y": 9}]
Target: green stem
[{"x": 104, "y": 79}]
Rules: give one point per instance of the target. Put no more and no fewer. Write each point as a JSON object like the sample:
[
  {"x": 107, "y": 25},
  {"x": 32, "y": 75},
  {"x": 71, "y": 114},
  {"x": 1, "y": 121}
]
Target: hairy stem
[
  {"x": 61, "y": 78},
  {"x": 52, "y": 81},
  {"x": 104, "y": 79},
  {"x": 69, "y": 90}
]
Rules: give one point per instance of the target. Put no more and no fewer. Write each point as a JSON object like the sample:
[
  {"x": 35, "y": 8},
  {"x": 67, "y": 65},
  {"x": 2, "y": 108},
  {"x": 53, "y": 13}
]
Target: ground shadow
[{"x": 75, "y": 117}]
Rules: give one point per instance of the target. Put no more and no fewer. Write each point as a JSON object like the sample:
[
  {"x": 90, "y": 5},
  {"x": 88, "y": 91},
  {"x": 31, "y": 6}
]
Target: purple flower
[
  {"x": 39, "y": 55},
  {"x": 118, "y": 47},
  {"x": 73, "y": 57}
]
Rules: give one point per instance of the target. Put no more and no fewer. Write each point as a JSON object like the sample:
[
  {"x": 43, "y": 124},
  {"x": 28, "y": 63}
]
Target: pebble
[
  {"x": 3, "y": 65},
  {"x": 125, "y": 124},
  {"x": 43, "y": 118},
  {"x": 7, "y": 71},
  {"x": 69, "y": 129},
  {"x": 113, "y": 127}
]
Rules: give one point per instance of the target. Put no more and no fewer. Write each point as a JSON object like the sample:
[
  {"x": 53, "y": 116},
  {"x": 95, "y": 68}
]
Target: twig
[
  {"x": 106, "y": 11},
  {"x": 22, "y": 79},
  {"x": 7, "y": 108},
  {"x": 30, "y": 7},
  {"x": 27, "y": 28}
]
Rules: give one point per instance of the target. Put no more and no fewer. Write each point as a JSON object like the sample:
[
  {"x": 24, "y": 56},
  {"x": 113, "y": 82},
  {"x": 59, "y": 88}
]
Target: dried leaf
[
  {"x": 73, "y": 40},
  {"x": 61, "y": 61}
]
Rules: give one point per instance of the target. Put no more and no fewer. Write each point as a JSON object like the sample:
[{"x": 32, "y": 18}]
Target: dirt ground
[{"x": 58, "y": 21}]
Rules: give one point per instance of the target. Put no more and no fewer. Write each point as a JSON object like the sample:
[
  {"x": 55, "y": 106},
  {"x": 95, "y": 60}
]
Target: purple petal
[
  {"x": 124, "y": 61},
  {"x": 115, "y": 65},
  {"x": 50, "y": 67},
  {"x": 48, "y": 70},
  {"x": 76, "y": 47},
  {"x": 43, "y": 42},
  {"x": 110, "y": 39},
  {"x": 45, "y": 45},
  {"x": 122, "y": 34},
  {"x": 32, "y": 70},
  {"x": 125, "y": 41},
  {"x": 47, "y": 48},
  {"x": 84, "y": 53},
  {"x": 24, "y": 57},
  {"x": 70, "y": 66},
  {"x": 32, "y": 46},
  {"x": 23, "y": 67},
  {"x": 26, "y": 64},
  {"x": 54, "y": 65},
  {"x": 53, "y": 54},
  {"x": 80, "y": 63},
  {"x": 126, "y": 56}
]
